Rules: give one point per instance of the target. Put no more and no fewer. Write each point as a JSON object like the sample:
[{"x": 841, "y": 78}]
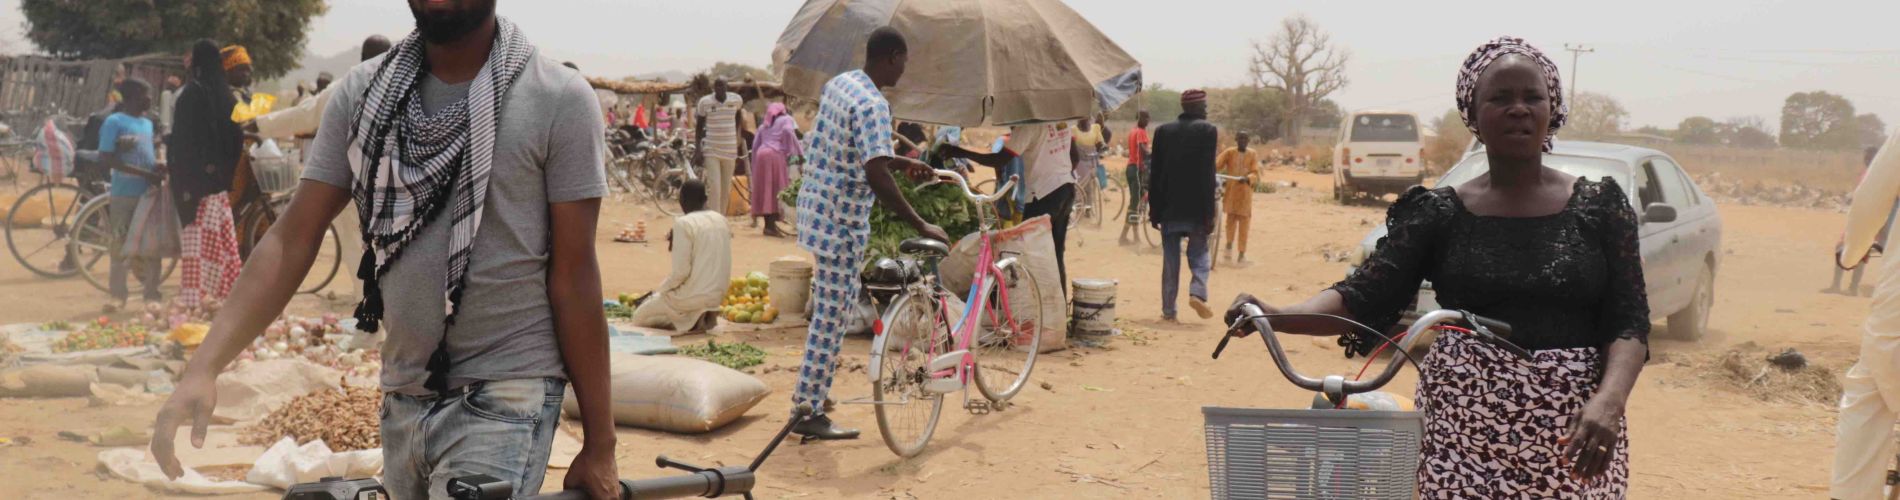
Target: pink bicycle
[{"x": 922, "y": 352}]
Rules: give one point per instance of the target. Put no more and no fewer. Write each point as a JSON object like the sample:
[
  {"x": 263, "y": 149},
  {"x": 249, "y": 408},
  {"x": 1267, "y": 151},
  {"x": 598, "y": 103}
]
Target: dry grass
[{"x": 1745, "y": 369}]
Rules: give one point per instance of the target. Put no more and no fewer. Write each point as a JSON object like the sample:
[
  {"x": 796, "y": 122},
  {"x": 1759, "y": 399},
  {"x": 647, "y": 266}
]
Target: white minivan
[{"x": 1378, "y": 153}]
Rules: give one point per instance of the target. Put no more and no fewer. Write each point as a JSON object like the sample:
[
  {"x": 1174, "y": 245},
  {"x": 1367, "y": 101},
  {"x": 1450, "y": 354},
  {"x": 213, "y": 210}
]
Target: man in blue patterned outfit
[{"x": 851, "y": 163}]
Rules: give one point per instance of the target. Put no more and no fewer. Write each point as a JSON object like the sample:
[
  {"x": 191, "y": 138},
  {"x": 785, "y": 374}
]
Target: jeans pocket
[{"x": 517, "y": 401}]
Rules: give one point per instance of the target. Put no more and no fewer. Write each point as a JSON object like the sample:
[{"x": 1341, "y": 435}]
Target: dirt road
[{"x": 1124, "y": 421}]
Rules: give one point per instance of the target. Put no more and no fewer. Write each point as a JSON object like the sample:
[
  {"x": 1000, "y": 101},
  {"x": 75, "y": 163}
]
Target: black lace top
[{"x": 1570, "y": 279}]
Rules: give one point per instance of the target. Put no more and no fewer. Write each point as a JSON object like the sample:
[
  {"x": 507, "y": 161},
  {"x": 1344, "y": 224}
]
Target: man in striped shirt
[{"x": 720, "y": 149}]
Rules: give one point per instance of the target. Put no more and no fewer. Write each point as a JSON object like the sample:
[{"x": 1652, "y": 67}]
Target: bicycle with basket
[
  {"x": 1328, "y": 451},
  {"x": 277, "y": 176}
]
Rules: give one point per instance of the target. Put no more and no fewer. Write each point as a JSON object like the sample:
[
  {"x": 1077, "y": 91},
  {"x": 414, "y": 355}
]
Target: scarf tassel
[{"x": 369, "y": 312}]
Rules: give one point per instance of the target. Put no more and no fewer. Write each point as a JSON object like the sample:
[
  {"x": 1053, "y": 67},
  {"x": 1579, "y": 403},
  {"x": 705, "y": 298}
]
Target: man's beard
[{"x": 445, "y": 28}]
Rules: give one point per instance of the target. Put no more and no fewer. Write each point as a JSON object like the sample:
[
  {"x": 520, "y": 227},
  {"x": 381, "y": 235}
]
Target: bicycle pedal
[{"x": 977, "y": 406}]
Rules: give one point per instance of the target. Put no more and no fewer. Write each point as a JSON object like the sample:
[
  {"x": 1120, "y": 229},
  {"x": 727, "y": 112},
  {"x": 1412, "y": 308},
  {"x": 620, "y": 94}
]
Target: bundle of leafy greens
[{"x": 940, "y": 204}]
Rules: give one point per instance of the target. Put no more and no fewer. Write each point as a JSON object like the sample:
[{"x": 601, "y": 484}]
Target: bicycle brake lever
[
  {"x": 1485, "y": 334},
  {"x": 667, "y": 463}
]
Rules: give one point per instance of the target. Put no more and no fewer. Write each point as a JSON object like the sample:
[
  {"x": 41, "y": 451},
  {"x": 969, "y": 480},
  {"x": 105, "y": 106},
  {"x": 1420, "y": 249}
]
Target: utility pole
[{"x": 1575, "y": 51}]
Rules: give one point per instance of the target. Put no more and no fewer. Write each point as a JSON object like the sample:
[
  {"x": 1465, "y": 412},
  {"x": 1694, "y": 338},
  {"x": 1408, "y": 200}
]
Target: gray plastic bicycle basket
[{"x": 1312, "y": 454}]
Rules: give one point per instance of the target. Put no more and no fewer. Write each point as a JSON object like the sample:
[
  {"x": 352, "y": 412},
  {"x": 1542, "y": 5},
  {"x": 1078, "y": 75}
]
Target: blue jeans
[
  {"x": 1171, "y": 235},
  {"x": 502, "y": 428}
]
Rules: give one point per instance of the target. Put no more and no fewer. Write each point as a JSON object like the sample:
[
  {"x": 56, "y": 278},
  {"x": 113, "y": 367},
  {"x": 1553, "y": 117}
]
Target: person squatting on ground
[
  {"x": 1181, "y": 200},
  {"x": 701, "y": 246},
  {"x": 1870, "y": 392},
  {"x": 1552, "y": 254},
  {"x": 476, "y": 164},
  {"x": 851, "y": 165}
]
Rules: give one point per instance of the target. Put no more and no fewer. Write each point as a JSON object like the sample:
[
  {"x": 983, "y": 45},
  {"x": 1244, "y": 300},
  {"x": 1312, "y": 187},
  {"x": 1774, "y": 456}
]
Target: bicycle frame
[{"x": 959, "y": 364}]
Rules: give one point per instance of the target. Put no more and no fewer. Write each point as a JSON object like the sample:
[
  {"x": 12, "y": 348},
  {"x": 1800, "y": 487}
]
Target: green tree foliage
[
  {"x": 1163, "y": 104},
  {"x": 1698, "y": 130},
  {"x": 1873, "y": 131},
  {"x": 1595, "y": 116},
  {"x": 1747, "y": 132},
  {"x": 1448, "y": 142},
  {"x": 273, "y": 30},
  {"x": 1259, "y": 112},
  {"x": 1819, "y": 120}
]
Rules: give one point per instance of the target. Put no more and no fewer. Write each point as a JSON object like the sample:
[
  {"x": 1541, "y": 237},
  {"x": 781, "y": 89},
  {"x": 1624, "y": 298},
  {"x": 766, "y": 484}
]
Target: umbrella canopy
[{"x": 972, "y": 62}]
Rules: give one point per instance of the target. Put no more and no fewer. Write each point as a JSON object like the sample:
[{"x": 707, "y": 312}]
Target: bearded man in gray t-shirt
[{"x": 475, "y": 166}]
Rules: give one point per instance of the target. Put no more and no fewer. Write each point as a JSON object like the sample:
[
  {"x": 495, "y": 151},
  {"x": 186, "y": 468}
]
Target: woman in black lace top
[{"x": 1552, "y": 254}]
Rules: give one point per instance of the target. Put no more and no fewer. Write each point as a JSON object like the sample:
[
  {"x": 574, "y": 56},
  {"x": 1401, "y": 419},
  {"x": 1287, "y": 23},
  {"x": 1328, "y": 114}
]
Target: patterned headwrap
[
  {"x": 1481, "y": 58},
  {"x": 235, "y": 56}
]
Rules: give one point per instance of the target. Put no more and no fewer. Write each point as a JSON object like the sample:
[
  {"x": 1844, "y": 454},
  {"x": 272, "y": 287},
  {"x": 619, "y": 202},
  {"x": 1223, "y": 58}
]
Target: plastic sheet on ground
[
  {"x": 639, "y": 340},
  {"x": 251, "y": 391},
  {"x": 138, "y": 466},
  {"x": 286, "y": 463}
]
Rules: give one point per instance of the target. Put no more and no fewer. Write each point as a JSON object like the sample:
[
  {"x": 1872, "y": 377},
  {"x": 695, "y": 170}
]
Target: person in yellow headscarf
[{"x": 237, "y": 71}]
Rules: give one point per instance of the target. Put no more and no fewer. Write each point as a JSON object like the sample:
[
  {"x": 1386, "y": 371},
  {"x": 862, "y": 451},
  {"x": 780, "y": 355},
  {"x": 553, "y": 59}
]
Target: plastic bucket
[
  {"x": 1094, "y": 307},
  {"x": 791, "y": 284}
]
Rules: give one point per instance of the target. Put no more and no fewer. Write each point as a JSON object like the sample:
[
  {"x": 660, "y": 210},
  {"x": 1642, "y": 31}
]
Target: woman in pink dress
[{"x": 772, "y": 147}]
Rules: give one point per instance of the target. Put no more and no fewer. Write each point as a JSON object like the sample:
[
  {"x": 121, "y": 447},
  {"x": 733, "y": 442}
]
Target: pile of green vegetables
[
  {"x": 734, "y": 355},
  {"x": 940, "y": 204}
]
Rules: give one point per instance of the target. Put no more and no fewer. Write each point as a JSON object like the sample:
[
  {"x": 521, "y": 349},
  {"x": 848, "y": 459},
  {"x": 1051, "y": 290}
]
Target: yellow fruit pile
[{"x": 747, "y": 301}]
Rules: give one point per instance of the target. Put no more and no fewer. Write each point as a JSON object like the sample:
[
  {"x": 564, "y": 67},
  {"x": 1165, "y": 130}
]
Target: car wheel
[{"x": 1692, "y": 322}]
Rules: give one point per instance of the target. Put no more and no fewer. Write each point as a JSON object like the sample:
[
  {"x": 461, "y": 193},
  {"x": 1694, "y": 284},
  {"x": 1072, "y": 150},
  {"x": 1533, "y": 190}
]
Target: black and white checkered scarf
[{"x": 411, "y": 162}]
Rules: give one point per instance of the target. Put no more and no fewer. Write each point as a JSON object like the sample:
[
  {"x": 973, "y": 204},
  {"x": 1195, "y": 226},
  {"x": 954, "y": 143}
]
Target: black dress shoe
[{"x": 820, "y": 428}]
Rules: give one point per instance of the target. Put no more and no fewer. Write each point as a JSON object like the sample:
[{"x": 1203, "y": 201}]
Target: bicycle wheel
[
  {"x": 38, "y": 226},
  {"x": 328, "y": 264},
  {"x": 251, "y": 224},
  {"x": 92, "y": 241},
  {"x": 906, "y": 414},
  {"x": 1009, "y": 337},
  {"x": 660, "y": 185}
]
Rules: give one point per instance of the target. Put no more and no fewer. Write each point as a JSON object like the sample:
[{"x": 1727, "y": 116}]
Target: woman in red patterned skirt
[{"x": 203, "y": 151}]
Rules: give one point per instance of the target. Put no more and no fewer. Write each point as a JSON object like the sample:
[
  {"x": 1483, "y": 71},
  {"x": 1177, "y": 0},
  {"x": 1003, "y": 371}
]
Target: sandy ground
[{"x": 1135, "y": 432}]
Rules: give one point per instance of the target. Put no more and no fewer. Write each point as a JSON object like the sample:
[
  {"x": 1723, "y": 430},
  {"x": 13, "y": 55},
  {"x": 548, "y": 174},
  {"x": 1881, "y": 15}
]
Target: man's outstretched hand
[{"x": 192, "y": 401}]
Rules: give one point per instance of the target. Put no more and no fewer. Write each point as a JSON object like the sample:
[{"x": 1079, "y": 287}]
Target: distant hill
[
  {"x": 673, "y": 76},
  {"x": 337, "y": 64}
]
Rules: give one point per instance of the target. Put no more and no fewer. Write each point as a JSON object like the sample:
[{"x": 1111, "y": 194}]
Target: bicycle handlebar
[
  {"x": 1488, "y": 330},
  {"x": 701, "y": 481},
  {"x": 963, "y": 183}
]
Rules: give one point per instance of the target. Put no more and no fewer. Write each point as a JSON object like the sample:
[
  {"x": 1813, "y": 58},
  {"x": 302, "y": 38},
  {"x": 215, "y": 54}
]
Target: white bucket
[
  {"x": 1094, "y": 307},
  {"x": 791, "y": 284}
]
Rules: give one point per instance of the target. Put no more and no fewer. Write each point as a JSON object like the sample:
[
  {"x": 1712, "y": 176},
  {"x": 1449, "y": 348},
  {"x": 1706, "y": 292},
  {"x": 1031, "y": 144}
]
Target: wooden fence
[{"x": 34, "y": 87}]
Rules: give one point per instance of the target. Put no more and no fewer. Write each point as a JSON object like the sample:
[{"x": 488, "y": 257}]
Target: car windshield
[
  {"x": 1384, "y": 128},
  {"x": 1581, "y": 166}
]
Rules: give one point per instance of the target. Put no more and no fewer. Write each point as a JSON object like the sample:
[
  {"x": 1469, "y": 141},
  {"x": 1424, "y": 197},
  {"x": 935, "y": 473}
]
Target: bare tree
[{"x": 1302, "y": 63}]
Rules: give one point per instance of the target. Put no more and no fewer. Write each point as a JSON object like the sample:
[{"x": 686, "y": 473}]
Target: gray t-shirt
[{"x": 548, "y": 149}]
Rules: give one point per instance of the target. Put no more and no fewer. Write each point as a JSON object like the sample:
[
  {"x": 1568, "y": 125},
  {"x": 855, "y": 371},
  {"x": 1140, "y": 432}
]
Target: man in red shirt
[{"x": 1137, "y": 172}]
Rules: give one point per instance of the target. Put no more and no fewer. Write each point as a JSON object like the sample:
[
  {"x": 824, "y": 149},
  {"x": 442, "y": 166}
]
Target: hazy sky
[{"x": 1665, "y": 60}]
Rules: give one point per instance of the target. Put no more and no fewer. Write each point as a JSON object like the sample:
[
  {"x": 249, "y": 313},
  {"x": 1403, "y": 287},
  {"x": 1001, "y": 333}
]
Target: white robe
[
  {"x": 1864, "y": 447},
  {"x": 702, "y": 268}
]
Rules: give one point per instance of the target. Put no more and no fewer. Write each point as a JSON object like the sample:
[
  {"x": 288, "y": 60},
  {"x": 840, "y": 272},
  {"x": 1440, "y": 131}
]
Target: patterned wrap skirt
[{"x": 1492, "y": 423}]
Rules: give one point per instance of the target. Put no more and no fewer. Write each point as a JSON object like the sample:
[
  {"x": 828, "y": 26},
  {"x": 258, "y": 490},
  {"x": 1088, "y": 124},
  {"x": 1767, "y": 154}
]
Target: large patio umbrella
[{"x": 972, "y": 62}]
